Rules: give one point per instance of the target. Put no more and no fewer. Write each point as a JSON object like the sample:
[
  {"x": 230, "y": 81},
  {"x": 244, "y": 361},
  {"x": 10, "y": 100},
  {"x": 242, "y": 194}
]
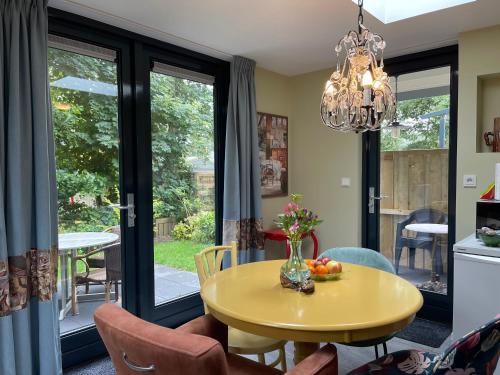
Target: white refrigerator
[{"x": 476, "y": 291}]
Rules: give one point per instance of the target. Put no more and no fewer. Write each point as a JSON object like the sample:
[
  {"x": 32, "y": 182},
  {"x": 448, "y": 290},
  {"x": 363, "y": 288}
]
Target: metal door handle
[
  {"x": 372, "y": 198},
  {"x": 134, "y": 367},
  {"x": 130, "y": 207}
]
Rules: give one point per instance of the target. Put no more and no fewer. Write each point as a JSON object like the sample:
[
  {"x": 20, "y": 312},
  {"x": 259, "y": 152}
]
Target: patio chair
[
  {"x": 198, "y": 347},
  {"x": 476, "y": 353},
  {"x": 421, "y": 240},
  {"x": 208, "y": 262},
  {"x": 368, "y": 258},
  {"x": 97, "y": 261},
  {"x": 107, "y": 276}
]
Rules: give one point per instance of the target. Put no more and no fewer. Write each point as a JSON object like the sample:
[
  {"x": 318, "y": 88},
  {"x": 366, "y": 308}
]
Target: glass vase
[{"x": 295, "y": 269}]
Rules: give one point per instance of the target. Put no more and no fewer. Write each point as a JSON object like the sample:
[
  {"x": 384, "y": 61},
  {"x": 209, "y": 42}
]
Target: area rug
[{"x": 426, "y": 332}]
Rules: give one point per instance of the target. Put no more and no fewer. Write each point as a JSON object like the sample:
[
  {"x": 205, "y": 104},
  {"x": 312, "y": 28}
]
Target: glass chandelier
[{"x": 358, "y": 96}]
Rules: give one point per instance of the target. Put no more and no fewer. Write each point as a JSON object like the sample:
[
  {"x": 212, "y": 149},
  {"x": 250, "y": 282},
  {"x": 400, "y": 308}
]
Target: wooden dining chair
[{"x": 208, "y": 262}]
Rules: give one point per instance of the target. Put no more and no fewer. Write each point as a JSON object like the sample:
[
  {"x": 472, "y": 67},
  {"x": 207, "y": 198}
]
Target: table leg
[
  {"x": 433, "y": 255},
  {"x": 64, "y": 285},
  {"x": 74, "y": 301},
  {"x": 303, "y": 350}
]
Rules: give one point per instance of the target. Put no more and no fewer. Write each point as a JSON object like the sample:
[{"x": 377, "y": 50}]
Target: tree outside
[{"x": 419, "y": 134}]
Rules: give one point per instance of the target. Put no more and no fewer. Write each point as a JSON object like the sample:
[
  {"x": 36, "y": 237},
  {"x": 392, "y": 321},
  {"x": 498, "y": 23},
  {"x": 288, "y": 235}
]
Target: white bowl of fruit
[{"x": 324, "y": 268}]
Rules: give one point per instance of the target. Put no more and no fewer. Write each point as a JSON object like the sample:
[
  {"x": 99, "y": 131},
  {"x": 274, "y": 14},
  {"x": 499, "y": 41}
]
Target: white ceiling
[{"x": 286, "y": 36}]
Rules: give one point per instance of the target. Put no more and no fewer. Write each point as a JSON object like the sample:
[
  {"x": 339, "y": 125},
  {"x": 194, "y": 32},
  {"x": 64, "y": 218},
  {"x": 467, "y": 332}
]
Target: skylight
[{"x": 389, "y": 11}]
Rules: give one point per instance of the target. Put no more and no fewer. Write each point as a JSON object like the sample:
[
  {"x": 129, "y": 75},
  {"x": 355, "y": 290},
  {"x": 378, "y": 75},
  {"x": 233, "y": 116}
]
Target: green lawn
[{"x": 178, "y": 254}]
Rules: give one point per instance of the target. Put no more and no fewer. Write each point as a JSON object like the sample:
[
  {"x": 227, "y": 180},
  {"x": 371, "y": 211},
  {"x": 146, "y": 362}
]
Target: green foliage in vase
[{"x": 296, "y": 220}]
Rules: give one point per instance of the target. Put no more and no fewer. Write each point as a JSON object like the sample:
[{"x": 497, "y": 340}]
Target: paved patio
[{"x": 170, "y": 283}]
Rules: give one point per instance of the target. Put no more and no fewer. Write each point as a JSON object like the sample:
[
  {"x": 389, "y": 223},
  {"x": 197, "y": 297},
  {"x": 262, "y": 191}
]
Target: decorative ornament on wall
[{"x": 358, "y": 96}]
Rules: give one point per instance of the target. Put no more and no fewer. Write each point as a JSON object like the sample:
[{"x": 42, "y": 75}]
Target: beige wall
[
  {"x": 319, "y": 157},
  {"x": 479, "y": 54}
]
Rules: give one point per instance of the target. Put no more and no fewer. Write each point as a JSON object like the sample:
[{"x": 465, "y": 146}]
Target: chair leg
[
  {"x": 283, "y": 359},
  {"x": 262, "y": 358},
  {"x": 376, "y": 352},
  {"x": 397, "y": 258},
  {"x": 107, "y": 291},
  {"x": 117, "y": 289},
  {"x": 385, "y": 347},
  {"x": 74, "y": 299},
  {"x": 411, "y": 254}
]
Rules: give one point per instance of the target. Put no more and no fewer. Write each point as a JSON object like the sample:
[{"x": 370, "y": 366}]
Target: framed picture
[{"x": 273, "y": 154}]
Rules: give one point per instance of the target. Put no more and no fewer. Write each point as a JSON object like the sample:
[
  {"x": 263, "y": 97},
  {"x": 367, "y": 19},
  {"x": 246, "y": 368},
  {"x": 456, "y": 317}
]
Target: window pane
[
  {"x": 85, "y": 116},
  {"x": 183, "y": 181}
]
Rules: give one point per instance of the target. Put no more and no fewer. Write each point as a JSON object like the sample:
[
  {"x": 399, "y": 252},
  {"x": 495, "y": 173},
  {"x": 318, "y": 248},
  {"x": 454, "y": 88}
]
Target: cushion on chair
[
  {"x": 476, "y": 353},
  {"x": 361, "y": 256},
  {"x": 400, "y": 363}
]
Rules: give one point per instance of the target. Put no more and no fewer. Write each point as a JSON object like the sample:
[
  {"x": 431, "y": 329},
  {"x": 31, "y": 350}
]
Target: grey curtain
[
  {"x": 29, "y": 327},
  {"x": 242, "y": 198}
]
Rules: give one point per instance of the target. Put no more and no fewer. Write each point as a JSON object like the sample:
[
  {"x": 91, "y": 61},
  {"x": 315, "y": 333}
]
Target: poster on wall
[{"x": 273, "y": 154}]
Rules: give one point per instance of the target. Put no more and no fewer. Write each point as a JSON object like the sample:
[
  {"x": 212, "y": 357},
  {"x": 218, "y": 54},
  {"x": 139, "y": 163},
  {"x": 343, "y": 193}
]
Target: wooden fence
[{"x": 410, "y": 180}]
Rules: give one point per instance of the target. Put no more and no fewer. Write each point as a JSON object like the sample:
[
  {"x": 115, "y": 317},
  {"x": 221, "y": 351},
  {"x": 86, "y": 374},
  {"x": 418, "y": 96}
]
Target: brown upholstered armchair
[{"x": 198, "y": 347}]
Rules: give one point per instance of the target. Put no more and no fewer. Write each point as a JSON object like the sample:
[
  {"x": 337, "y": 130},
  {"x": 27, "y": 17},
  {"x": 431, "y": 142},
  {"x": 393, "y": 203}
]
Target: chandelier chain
[{"x": 360, "y": 14}]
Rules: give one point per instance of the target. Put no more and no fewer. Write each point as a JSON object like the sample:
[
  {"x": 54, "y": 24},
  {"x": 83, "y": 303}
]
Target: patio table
[
  {"x": 364, "y": 304},
  {"x": 437, "y": 230},
  {"x": 69, "y": 244}
]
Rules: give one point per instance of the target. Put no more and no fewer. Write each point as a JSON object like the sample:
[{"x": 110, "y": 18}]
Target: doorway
[{"x": 409, "y": 173}]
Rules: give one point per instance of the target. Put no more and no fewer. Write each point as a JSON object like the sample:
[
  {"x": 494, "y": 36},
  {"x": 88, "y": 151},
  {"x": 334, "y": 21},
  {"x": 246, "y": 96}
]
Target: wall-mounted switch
[
  {"x": 345, "y": 181},
  {"x": 470, "y": 180}
]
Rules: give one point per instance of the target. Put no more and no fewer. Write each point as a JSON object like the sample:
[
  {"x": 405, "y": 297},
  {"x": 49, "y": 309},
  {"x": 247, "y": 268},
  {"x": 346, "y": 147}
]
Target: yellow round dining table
[{"x": 362, "y": 305}]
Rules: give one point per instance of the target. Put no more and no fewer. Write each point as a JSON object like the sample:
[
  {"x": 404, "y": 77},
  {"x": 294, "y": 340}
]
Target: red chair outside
[{"x": 277, "y": 234}]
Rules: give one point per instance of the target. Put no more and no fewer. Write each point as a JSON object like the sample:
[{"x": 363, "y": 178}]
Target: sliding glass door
[{"x": 409, "y": 176}]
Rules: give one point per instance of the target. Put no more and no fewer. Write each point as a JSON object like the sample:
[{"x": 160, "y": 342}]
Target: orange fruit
[
  {"x": 321, "y": 270},
  {"x": 309, "y": 262},
  {"x": 312, "y": 269}
]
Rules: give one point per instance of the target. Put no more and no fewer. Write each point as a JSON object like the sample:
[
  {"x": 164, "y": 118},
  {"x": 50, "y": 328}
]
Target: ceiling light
[{"x": 358, "y": 96}]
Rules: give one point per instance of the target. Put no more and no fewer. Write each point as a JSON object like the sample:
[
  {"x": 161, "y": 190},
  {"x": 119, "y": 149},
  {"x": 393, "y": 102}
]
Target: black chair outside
[
  {"x": 102, "y": 267},
  {"x": 422, "y": 241},
  {"x": 107, "y": 276},
  {"x": 97, "y": 261}
]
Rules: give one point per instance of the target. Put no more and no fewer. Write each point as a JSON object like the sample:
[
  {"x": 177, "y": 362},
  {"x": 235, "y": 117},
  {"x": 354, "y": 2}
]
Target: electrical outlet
[
  {"x": 470, "y": 180},
  {"x": 345, "y": 182}
]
